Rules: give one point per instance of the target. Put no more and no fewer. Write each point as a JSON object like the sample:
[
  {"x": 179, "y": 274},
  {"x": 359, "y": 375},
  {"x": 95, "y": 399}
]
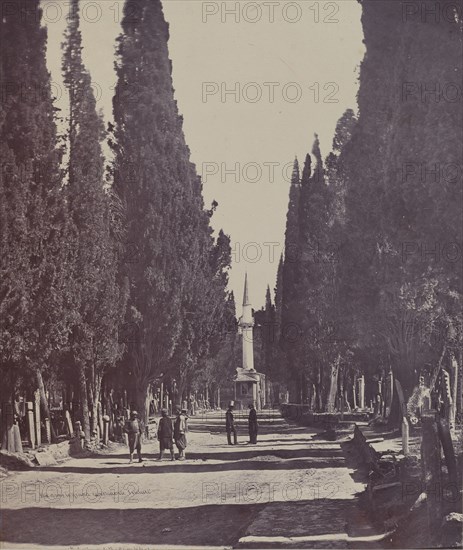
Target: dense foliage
[
  {"x": 111, "y": 281},
  {"x": 383, "y": 217}
]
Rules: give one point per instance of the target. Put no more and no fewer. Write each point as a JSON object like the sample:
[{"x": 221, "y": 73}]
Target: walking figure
[
  {"x": 133, "y": 428},
  {"x": 165, "y": 435},
  {"x": 252, "y": 422},
  {"x": 180, "y": 429},
  {"x": 230, "y": 425}
]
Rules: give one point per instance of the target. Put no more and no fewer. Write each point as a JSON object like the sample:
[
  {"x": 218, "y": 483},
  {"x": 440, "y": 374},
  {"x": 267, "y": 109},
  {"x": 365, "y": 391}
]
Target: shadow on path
[
  {"x": 236, "y": 453},
  {"x": 210, "y": 524},
  {"x": 154, "y": 468}
]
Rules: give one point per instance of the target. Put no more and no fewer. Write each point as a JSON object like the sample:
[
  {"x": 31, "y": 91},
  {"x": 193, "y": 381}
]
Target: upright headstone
[
  {"x": 400, "y": 395},
  {"x": 361, "y": 382},
  {"x": 30, "y": 423},
  {"x": 105, "y": 429},
  {"x": 18, "y": 445},
  {"x": 79, "y": 434},
  {"x": 389, "y": 392},
  {"x": 8, "y": 434},
  {"x": 48, "y": 430},
  {"x": 99, "y": 417},
  {"x": 67, "y": 415},
  {"x": 405, "y": 436},
  {"x": 425, "y": 404},
  {"x": 38, "y": 430},
  {"x": 378, "y": 405}
]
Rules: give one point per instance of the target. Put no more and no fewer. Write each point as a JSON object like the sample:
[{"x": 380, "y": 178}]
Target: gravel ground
[{"x": 288, "y": 491}]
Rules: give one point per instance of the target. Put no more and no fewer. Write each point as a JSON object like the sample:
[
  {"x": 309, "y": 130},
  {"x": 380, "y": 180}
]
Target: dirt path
[{"x": 288, "y": 491}]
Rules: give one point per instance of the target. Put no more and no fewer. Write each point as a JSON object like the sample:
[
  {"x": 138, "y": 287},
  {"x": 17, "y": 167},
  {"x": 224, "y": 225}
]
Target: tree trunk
[
  {"x": 318, "y": 397},
  {"x": 435, "y": 373},
  {"x": 459, "y": 404},
  {"x": 432, "y": 473},
  {"x": 84, "y": 403},
  {"x": 309, "y": 394},
  {"x": 331, "y": 398},
  {"x": 92, "y": 409},
  {"x": 95, "y": 390},
  {"x": 181, "y": 390},
  {"x": 318, "y": 391},
  {"x": 453, "y": 389},
  {"x": 44, "y": 402},
  {"x": 142, "y": 396}
]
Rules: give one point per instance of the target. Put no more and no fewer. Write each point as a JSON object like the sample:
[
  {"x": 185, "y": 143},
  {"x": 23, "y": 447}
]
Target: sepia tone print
[{"x": 231, "y": 274}]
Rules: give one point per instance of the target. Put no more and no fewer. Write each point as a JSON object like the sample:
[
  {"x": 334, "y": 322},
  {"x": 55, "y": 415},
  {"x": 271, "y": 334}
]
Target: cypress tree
[
  {"x": 394, "y": 206},
  {"x": 290, "y": 333},
  {"x": 97, "y": 299},
  {"x": 32, "y": 221},
  {"x": 167, "y": 227}
]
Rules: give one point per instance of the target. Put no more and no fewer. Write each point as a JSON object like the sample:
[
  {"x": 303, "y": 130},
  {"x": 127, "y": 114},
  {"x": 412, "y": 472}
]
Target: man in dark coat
[
  {"x": 165, "y": 435},
  {"x": 230, "y": 425},
  {"x": 134, "y": 429},
  {"x": 252, "y": 421},
  {"x": 180, "y": 430}
]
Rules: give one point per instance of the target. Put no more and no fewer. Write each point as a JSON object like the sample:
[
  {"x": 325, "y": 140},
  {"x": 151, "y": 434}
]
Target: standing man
[
  {"x": 180, "y": 429},
  {"x": 165, "y": 434},
  {"x": 230, "y": 425},
  {"x": 252, "y": 421},
  {"x": 133, "y": 429}
]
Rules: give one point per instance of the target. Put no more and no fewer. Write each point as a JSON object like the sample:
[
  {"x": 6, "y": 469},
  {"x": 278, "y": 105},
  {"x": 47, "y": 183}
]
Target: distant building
[{"x": 250, "y": 385}]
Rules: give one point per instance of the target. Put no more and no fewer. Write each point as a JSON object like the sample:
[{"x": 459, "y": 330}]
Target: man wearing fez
[
  {"x": 180, "y": 429},
  {"x": 165, "y": 435}
]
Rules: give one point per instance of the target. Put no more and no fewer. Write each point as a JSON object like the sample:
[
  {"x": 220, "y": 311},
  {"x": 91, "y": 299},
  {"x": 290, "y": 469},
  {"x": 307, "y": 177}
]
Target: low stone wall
[
  {"x": 46, "y": 455},
  {"x": 303, "y": 415}
]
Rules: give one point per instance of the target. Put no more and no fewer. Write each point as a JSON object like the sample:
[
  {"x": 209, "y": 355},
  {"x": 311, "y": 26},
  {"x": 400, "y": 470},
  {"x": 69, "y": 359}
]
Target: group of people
[
  {"x": 231, "y": 428},
  {"x": 169, "y": 433}
]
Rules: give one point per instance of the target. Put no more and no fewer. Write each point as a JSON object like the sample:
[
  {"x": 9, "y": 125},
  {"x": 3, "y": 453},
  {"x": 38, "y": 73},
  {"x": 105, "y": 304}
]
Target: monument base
[{"x": 250, "y": 388}]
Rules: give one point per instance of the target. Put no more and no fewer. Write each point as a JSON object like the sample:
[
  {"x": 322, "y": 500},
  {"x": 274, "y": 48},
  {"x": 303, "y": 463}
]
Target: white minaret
[{"x": 246, "y": 323}]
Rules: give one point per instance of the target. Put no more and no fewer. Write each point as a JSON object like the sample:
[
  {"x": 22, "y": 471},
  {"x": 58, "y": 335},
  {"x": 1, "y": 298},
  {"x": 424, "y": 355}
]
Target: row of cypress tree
[
  {"x": 371, "y": 279},
  {"x": 103, "y": 271}
]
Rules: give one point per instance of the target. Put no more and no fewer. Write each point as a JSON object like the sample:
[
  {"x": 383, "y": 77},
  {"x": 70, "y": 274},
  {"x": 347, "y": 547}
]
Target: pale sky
[{"x": 253, "y": 85}]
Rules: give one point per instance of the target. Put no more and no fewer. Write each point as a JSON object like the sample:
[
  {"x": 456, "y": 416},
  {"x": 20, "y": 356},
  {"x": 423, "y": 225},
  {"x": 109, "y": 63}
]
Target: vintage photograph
[{"x": 231, "y": 276}]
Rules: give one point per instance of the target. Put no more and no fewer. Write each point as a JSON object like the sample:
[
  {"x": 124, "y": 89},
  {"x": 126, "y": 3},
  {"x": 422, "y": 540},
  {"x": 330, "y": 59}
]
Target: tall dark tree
[
  {"x": 32, "y": 220},
  {"x": 290, "y": 327},
  {"x": 205, "y": 314},
  {"x": 265, "y": 342},
  {"x": 167, "y": 227},
  {"x": 401, "y": 295},
  {"x": 98, "y": 301}
]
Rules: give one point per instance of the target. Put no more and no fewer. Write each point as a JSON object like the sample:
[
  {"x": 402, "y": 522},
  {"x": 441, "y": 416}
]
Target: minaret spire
[
  {"x": 246, "y": 323},
  {"x": 246, "y": 301}
]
